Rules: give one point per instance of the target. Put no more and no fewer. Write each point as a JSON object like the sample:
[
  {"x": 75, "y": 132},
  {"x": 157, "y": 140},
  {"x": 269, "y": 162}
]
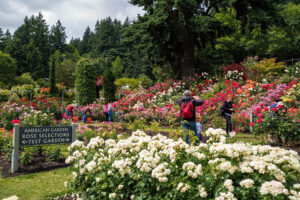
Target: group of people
[
  {"x": 86, "y": 111},
  {"x": 191, "y": 120}
]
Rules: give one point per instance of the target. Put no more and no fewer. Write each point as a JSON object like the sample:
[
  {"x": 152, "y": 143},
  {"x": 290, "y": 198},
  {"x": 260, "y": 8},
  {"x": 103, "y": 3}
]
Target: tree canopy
[{"x": 172, "y": 39}]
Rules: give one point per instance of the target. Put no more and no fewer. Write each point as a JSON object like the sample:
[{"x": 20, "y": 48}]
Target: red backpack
[{"x": 187, "y": 110}]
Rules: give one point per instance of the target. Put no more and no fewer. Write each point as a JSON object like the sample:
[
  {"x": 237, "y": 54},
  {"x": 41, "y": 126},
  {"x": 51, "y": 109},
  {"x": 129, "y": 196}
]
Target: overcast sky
[{"x": 75, "y": 15}]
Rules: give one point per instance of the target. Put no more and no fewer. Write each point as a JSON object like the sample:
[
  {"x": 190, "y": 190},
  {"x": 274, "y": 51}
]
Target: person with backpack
[
  {"x": 226, "y": 111},
  {"x": 188, "y": 106}
]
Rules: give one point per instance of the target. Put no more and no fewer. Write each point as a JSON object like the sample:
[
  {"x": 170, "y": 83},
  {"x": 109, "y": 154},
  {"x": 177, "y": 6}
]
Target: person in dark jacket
[
  {"x": 228, "y": 110},
  {"x": 189, "y": 123}
]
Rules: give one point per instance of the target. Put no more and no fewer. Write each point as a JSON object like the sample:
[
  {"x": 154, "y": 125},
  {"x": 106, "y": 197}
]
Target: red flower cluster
[
  {"x": 15, "y": 121},
  {"x": 233, "y": 67}
]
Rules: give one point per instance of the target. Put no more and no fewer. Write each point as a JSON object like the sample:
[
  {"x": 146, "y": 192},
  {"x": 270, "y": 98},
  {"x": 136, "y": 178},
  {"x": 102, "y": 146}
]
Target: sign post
[
  {"x": 251, "y": 120},
  {"x": 73, "y": 132},
  {"x": 15, "y": 153},
  {"x": 39, "y": 135}
]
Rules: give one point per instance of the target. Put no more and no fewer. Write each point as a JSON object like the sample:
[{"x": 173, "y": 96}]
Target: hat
[{"x": 187, "y": 93}]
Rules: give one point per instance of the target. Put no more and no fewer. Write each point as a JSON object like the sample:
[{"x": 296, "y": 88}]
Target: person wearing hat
[{"x": 188, "y": 104}]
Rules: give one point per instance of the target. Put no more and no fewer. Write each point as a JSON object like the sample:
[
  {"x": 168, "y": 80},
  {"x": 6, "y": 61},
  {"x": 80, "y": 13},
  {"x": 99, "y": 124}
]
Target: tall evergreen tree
[
  {"x": 109, "y": 87},
  {"x": 52, "y": 64},
  {"x": 36, "y": 29},
  {"x": 76, "y": 42},
  {"x": 33, "y": 60},
  {"x": 86, "y": 43},
  {"x": 85, "y": 82},
  {"x": 6, "y": 41},
  {"x": 106, "y": 40},
  {"x": 1, "y": 40},
  {"x": 58, "y": 37}
]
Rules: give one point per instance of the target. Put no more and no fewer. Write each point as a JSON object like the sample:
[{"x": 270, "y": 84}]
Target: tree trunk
[{"x": 188, "y": 58}]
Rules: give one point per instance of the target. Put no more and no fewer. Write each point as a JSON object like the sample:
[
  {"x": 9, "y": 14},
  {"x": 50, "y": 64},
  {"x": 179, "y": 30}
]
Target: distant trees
[
  {"x": 57, "y": 37},
  {"x": 170, "y": 40}
]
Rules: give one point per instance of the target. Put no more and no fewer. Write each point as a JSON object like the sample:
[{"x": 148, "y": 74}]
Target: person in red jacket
[
  {"x": 70, "y": 110},
  {"x": 188, "y": 104}
]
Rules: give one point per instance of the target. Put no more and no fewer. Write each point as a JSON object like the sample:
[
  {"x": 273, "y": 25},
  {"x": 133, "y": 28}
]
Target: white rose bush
[{"x": 145, "y": 167}]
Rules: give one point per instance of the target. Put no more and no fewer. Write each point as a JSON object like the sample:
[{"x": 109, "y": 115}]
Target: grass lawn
[{"x": 36, "y": 186}]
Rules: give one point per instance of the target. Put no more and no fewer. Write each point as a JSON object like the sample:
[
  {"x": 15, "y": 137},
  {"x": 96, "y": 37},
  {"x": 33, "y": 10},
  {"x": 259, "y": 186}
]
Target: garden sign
[{"x": 39, "y": 135}]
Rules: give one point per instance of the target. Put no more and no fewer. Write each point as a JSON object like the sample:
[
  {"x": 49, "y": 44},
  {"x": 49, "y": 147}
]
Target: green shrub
[
  {"x": 7, "y": 69},
  {"x": 109, "y": 88},
  {"x": 54, "y": 153},
  {"x": 146, "y": 82},
  {"x": 4, "y": 95},
  {"x": 269, "y": 66},
  {"x": 26, "y": 156},
  {"x": 24, "y": 90},
  {"x": 131, "y": 82},
  {"x": 88, "y": 134},
  {"x": 137, "y": 125},
  {"x": 24, "y": 79},
  {"x": 4, "y": 86},
  {"x": 85, "y": 82}
]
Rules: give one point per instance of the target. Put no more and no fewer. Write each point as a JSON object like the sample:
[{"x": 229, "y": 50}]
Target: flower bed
[{"x": 143, "y": 167}]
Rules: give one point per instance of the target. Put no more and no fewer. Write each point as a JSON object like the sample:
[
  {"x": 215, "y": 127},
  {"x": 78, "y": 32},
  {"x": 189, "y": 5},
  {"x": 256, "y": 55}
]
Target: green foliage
[
  {"x": 34, "y": 60},
  {"x": 4, "y": 95},
  {"x": 162, "y": 73},
  {"x": 7, "y": 69},
  {"x": 26, "y": 156},
  {"x": 24, "y": 79},
  {"x": 109, "y": 88},
  {"x": 117, "y": 67},
  {"x": 6, "y": 145},
  {"x": 89, "y": 134},
  {"x": 146, "y": 82},
  {"x": 278, "y": 40},
  {"x": 37, "y": 118},
  {"x": 65, "y": 66},
  {"x": 269, "y": 67},
  {"x": 278, "y": 127},
  {"x": 54, "y": 152},
  {"x": 31, "y": 48},
  {"x": 139, "y": 124},
  {"x": 85, "y": 82},
  {"x": 106, "y": 40},
  {"x": 24, "y": 90},
  {"x": 132, "y": 83},
  {"x": 58, "y": 37},
  {"x": 293, "y": 71},
  {"x": 86, "y": 44}
]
